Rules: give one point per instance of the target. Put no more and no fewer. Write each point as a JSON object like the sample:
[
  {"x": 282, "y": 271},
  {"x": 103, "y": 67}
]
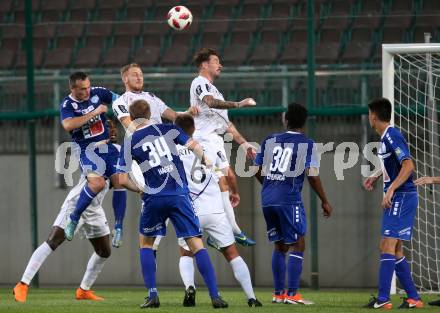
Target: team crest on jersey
[
  {"x": 94, "y": 99},
  {"x": 398, "y": 152},
  {"x": 75, "y": 105}
]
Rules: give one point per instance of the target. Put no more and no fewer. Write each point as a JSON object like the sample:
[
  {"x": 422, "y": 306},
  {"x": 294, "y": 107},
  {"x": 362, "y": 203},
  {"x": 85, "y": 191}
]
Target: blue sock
[
  {"x": 279, "y": 271},
  {"x": 207, "y": 271},
  {"x": 85, "y": 198},
  {"x": 119, "y": 205},
  {"x": 403, "y": 273},
  {"x": 386, "y": 271},
  {"x": 294, "y": 269},
  {"x": 148, "y": 265}
]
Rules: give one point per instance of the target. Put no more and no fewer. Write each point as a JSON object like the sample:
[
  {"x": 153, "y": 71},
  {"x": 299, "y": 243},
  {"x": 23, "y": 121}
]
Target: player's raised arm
[
  {"x": 427, "y": 180},
  {"x": 223, "y": 104},
  {"x": 71, "y": 123}
]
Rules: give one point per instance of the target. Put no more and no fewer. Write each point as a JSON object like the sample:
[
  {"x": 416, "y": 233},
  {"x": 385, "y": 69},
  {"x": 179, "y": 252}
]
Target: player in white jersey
[
  {"x": 211, "y": 122},
  {"x": 207, "y": 200},
  {"x": 132, "y": 77},
  {"x": 93, "y": 224}
]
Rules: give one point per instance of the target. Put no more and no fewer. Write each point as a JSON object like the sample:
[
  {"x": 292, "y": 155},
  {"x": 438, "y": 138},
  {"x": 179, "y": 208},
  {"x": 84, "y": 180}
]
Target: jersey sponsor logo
[
  {"x": 199, "y": 90},
  {"x": 93, "y": 127},
  {"x": 122, "y": 109},
  {"x": 94, "y": 99},
  {"x": 154, "y": 228},
  {"x": 405, "y": 231},
  {"x": 221, "y": 156}
]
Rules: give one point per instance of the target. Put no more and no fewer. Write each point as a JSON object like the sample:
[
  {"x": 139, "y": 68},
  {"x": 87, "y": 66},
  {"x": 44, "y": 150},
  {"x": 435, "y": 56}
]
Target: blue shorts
[
  {"x": 285, "y": 222},
  {"x": 155, "y": 211},
  {"x": 397, "y": 221},
  {"x": 102, "y": 160}
]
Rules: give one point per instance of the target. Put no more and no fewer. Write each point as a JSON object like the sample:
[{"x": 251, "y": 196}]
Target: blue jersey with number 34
[
  {"x": 284, "y": 158},
  {"x": 153, "y": 147}
]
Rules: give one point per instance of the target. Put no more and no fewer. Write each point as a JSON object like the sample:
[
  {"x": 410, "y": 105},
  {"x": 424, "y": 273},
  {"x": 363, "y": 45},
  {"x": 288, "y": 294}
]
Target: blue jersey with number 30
[
  {"x": 393, "y": 151},
  {"x": 153, "y": 147},
  {"x": 284, "y": 158},
  {"x": 94, "y": 130}
]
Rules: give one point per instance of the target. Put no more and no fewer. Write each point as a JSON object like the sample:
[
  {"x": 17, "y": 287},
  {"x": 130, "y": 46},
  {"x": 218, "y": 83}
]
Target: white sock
[
  {"x": 186, "y": 268},
  {"x": 94, "y": 267},
  {"x": 35, "y": 262},
  {"x": 242, "y": 275},
  {"x": 229, "y": 210}
]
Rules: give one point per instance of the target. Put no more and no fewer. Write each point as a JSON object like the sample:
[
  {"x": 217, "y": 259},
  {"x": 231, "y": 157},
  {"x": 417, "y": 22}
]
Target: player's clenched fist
[
  {"x": 248, "y": 102},
  {"x": 102, "y": 108}
]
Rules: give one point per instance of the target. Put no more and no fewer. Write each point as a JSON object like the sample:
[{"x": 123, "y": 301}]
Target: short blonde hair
[{"x": 125, "y": 68}]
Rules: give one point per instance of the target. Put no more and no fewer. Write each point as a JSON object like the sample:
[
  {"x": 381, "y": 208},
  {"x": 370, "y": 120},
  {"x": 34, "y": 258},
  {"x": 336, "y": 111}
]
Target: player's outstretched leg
[
  {"x": 403, "y": 273},
  {"x": 119, "y": 205},
  {"x": 56, "y": 237},
  {"x": 279, "y": 272},
  {"x": 240, "y": 236},
  {"x": 186, "y": 269},
  {"x": 294, "y": 270},
  {"x": 94, "y": 186},
  {"x": 386, "y": 271},
  {"x": 206, "y": 270},
  {"x": 148, "y": 265},
  {"x": 241, "y": 273},
  {"x": 94, "y": 268}
]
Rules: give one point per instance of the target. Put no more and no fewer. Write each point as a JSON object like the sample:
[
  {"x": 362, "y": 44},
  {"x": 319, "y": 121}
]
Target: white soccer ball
[{"x": 179, "y": 17}]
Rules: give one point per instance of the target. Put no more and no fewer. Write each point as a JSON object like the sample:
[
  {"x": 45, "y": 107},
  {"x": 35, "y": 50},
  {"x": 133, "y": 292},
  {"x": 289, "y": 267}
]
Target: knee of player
[
  {"x": 97, "y": 184},
  {"x": 56, "y": 238},
  {"x": 54, "y": 242},
  {"x": 184, "y": 252},
  {"x": 104, "y": 252}
]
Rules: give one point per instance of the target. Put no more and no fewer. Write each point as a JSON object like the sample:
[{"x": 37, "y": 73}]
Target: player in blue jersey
[
  {"x": 83, "y": 116},
  {"x": 399, "y": 206},
  {"x": 284, "y": 159},
  {"x": 165, "y": 195}
]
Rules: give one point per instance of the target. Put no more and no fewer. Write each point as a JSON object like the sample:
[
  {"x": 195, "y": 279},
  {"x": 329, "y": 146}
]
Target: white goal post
[{"x": 411, "y": 81}]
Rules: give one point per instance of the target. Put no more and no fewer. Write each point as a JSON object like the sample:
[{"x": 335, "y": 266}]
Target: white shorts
[
  {"x": 92, "y": 224},
  {"x": 217, "y": 226},
  {"x": 215, "y": 145}
]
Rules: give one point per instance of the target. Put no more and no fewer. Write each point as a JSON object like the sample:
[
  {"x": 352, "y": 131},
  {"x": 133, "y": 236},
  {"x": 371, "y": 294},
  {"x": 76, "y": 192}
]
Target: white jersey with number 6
[
  {"x": 202, "y": 182},
  {"x": 209, "y": 120}
]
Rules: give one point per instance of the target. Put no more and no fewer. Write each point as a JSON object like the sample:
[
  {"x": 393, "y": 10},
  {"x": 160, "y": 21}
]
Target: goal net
[{"x": 416, "y": 92}]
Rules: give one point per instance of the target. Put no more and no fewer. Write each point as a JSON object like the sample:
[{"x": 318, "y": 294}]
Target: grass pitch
[{"x": 127, "y": 300}]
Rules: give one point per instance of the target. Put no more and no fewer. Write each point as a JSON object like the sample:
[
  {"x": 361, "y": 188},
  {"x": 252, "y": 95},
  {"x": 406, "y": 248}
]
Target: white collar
[{"x": 385, "y": 131}]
